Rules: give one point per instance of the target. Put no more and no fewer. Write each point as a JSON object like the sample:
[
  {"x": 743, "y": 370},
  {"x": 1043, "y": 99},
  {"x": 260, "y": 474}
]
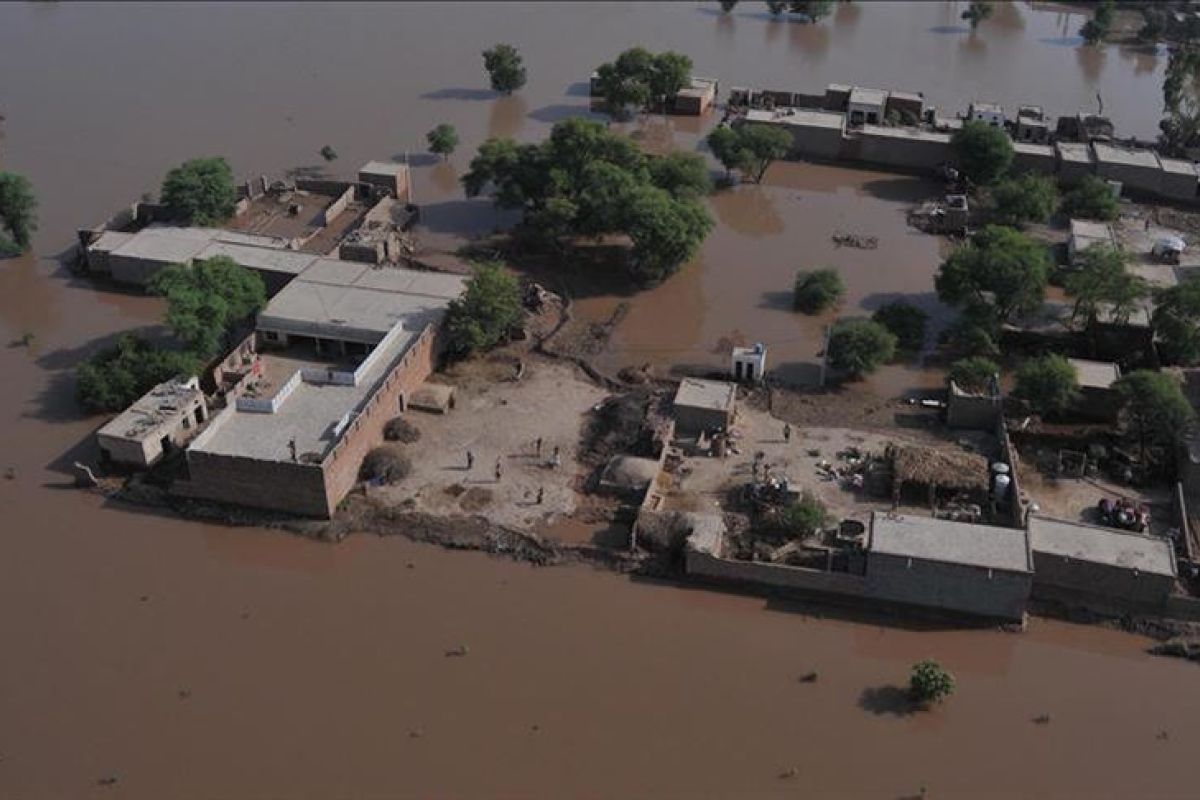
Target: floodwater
[{"x": 185, "y": 660}]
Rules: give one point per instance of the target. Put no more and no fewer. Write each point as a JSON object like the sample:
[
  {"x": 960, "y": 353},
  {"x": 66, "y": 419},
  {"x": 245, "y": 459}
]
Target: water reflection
[
  {"x": 749, "y": 210},
  {"x": 444, "y": 177},
  {"x": 507, "y": 116},
  {"x": 810, "y": 41},
  {"x": 1091, "y": 62}
]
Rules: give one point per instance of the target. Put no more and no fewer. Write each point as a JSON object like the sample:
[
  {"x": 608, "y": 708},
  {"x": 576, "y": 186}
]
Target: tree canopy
[
  {"x": 817, "y": 290},
  {"x": 1049, "y": 384},
  {"x": 977, "y": 11},
  {"x": 1024, "y": 198},
  {"x": 587, "y": 181},
  {"x": 1177, "y": 323},
  {"x": 860, "y": 346},
  {"x": 504, "y": 68},
  {"x": 1180, "y": 124},
  {"x": 115, "y": 377},
  {"x": 205, "y": 300},
  {"x": 1096, "y": 28},
  {"x": 483, "y": 316},
  {"x": 1001, "y": 268},
  {"x": 1100, "y": 283},
  {"x": 200, "y": 191},
  {"x": 751, "y": 149},
  {"x": 973, "y": 374},
  {"x": 983, "y": 152},
  {"x": 906, "y": 321},
  {"x": 1154, "y": 408},
  {"x": 328, "y": 153},
  {"x": 929, "y": 683},
  {"x": 643, "y": 79},
  {"x": 442, "y": 140},
  {"x": 1091, "y": 198},
  {"x": 18, "y": 212}
]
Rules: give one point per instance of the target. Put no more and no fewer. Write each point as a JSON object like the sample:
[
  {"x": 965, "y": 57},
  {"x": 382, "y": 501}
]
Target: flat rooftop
[
  {"x": 1086, "y": 233},
  {"x": 1074, "y": 152},
  {"x": 711, "y": 395},
  {"x": 1177, "y": 166},
  {"x": 986, "y": 108},
  {"x": 353, "y": 301},
  {"x": 1095, "y": 374},
  {"x": 162, "y": 405},
  {"x": 179, "y": 245},
  {"x": 1124, "y": 156},
  {"x": 798, "y": 116},
  {"x": 1034, "y": 149},
  {"x": 1108, "y": 546},
  {"x": 950, "y": 542},
  {"x": 913, "y": 134},
  {"x": 862, "y": 95},
  {"x": 388, "y": 168},
  {"x": 269, "y": 259}
]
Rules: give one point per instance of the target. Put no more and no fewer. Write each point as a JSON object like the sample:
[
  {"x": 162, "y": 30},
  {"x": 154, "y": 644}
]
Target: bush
[
  {"x": 860, "y": 346},
  {"x": 817, "y": 291},
  {"x": 1092, "y": 198},
  {"x": 802, "y": 518},
  {"x": 906, "y": 321},
  {"x": 973, "y": 374},
  {"x": 983, "y": 152},
  {"x": 929, "y": 683},
  {"x": 387, "y": 464},
  {"x": 398, "y": 429},
  {"x": 485, "y": 313},
  {"x": 113, "y": 378},
  {"x": 1048, "y": 384},
  {"x": 18, "y": 212},
  {"x": 1026, "y": 198},
  {"x": 200, "y": 191}
]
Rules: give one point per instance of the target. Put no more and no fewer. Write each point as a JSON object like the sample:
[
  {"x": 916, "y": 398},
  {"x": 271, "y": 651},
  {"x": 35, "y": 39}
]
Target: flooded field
[{"x": 185, "y": 660}]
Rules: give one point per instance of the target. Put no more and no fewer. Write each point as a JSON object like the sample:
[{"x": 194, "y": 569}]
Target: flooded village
[{"x": 395, "y": 471}]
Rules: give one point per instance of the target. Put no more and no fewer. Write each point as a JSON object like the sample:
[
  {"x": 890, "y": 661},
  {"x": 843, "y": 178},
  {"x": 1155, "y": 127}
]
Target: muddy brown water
[{"x": 185, "y": 660}]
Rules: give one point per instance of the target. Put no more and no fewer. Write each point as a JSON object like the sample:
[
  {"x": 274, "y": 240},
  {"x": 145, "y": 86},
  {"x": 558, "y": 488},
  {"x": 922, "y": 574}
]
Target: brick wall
[
  {"x": 782, "y": 576},
  {"x": 1085, "y": 579},
  {"x": 272, "y": 485},
  {"x": 951, "y": 587}
]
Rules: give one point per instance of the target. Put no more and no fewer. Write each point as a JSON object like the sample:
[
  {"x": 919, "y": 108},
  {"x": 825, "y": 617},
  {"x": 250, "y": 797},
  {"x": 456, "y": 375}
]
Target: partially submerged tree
[
  {"x": 973, "y": 374},
  {"x": 442, "y": 140},
  {"x": 643, "y": 79},
  {"x": 859, "y": 346},
  {"x": 750, "y": 149},
  {"x": 666, "y": 232},
  {"x": 682, "y": 174},
  {"x": 1097, "y": 28},
  {"x": 728, "y": 5},
  {"x": 1028, "y": 197},
  {"x": 206, "y": 300},
  {"x": 1177, "y": 323},
  {"x": 929, "y": 682},
  {"x": 1154, "y": 409},
  {"x": 906, "y": 321},
  {"x": 483, "y": 316},
  {"x": 505, "y": 68},
  {"x": 328, "y": 153},
  {"x": 1091, "y": 198},
  {"x": 200, "y": 191},
  {"x": 114, "y": 378},
  {"x": 999, "y": 268},
  {"x": 983, "y": 152},
  {"x": 1100, "y": 284},
  {"x": 977, "y": 11},
  {"x": 1180, "y": 124},
  {"x": 18, "y": 213},
  {"x": 1048, "y": 384},
  {"x": 815, "y": 291}
]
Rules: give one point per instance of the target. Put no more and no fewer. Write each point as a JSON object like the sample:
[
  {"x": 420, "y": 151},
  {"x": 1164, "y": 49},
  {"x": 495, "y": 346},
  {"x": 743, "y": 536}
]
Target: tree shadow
[
  {"x": 306, "y": 171},
  {"x": 578, "y": 89},
  {"x": 461, "y": 93},
  {"x": 944, "y": 29},
  {"x": 560, "y": 111},
  {"x": 464, "y": 216},
  {"x": 417, "y": 159},
  {"x": 901, "y": 189},
  {"x": 887, "y": 701},
  {"x": 926, "y": 301},
  {"x": 777, "y": 301}
]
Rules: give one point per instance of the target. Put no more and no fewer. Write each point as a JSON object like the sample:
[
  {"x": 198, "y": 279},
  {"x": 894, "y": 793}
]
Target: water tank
[
  {"x": 1000, "y": 486},
  {"x": 999, "y": 468}
]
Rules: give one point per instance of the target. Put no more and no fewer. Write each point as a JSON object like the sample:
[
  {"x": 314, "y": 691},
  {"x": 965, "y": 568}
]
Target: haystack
[{"x": 938, "y": 471}]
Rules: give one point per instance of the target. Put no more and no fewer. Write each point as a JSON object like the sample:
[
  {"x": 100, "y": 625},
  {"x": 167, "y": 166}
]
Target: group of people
[
  {"x": 554, "y": 462},
  {"x": 1126, "y": 514}
]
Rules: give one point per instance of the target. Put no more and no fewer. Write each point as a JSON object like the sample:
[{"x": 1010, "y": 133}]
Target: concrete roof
[
  {"x": 1095, "y": 374},
  {"x": 861, "y": 95},
  {"x": 990, "y": 108},
  {"x": 798, "y": 116},
  {"x": 1074, "y": 152},
  {"x": 950, "y": 542},
  {"x": 907, "y": 96},
  {"x": 1177, "y": 166},
  {"x": 1034, "y": 149},
  {"x": 161, "y": 406},
  {"x": 1126, "y": 157},
  {"x": 167, "y": 244},
  {"x": 1109, "y": 546},
  {"x": 270, "y": 259},
  {"x": 916, "y": 134},
  {"x": 711, "y": 395},
  {"x": 389, "y": 168},
  {"x": 1087, "y": 233},
  {"x": 110, "y": 240}
]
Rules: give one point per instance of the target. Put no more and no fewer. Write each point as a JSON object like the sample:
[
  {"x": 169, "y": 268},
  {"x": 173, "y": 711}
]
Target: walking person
[
  {"x": 787, "y": 432},
  {"x": 470, "y": 460},
  {"x": 498, "y": 469},
  {"x": 538, "y": 447},
  {"x": 541, "y": 494},
  {"x": 554, "y": 459}
]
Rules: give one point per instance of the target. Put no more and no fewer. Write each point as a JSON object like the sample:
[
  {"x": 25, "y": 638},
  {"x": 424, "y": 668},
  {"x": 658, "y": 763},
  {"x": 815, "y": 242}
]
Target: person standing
[
  {"x": 787, "y": 432},
  {"x": 541, "y": 494},
  {"x": 498, "y": 469},
  {"x": 538, "y": 447},
  {"x": 470, "y": 460}
]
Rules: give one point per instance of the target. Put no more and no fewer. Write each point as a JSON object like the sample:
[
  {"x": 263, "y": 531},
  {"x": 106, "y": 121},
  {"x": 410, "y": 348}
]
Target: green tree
[
  {"x": 1180, "y": 124},
  {"x": 859, "y": 346},
  {"x": 442, "y": 140},
  {"x": 973, "y": 374},
  {"x": 200, "y": 191},
  {"x": 761, "y": 146},
  {"x": 1100, "y": 283},
  {"x": 1028, "y": 197},
  {"x": 671, "y": 72},
  {"x": 1091, "y": 198},
  {"x": 977, "y": 11},
  {"x": 1177, "y": 323},
  {"x": 115, "y": 377},
  {"x": 682, "y": 174},
  {"x": 642, "y": 79},
  {"x": 1048, "y": 384},
  {"x": 18, "y": 211},
  {"x": 906, "y": 321},
  {"x": 1096, "y": 29},
  {"x": 206, "y": 300},
  {"x": 1001, "y": 268},
  {"x": 983, "y": 152},
  {"x": 504, "y": 67},
  {"x": 724, "y": 143},
  {"x": 483, "y": 316},
  {"x": 328, "y": 153},
  {"x": 1154, "y": 409},
  {"x": 817, "y": 290},
  {"x": 804, "y": 517},
  {"x": 666, "y": 232},
  {"x": 929, "y": 682}
]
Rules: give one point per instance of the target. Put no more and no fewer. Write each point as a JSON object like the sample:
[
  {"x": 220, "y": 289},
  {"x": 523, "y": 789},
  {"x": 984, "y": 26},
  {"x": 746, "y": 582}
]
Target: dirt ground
[
  {"x": 1076, "y": 499},
  {"x": 499, "y": 420}
]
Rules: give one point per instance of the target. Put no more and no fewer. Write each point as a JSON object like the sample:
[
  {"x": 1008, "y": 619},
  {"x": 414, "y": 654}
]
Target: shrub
[
  {"x": 200, "y": 191},
  {"x": 484, "y": 314},
  {"x": 906, "y": 321},
  {"x": 387, "y": 464},
  {"x": 1092, "y": 198},
  {"x": 1049, "y": 384},
  {"x": 1026, "y": 198},
  {"x": 816, "y": 291},
  {"x": 972, "y": 374},
  {"x": 398, "y": 429},
  {"x": 804, "y": 517},
  {"x": 860, "y": 346},
  {"x": 983, "y": 152},
  {"x": 113, "y": 378},
  {"x": 929, "y": 683}
]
